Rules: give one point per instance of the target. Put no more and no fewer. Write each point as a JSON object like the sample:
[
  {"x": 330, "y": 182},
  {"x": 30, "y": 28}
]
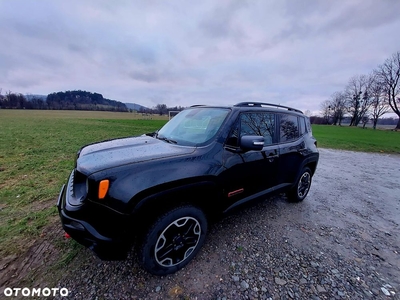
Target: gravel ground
[{"x": 341, "y": 242}]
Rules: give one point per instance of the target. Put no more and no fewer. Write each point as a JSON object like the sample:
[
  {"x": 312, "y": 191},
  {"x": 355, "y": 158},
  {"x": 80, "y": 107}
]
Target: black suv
[{"x": 159, "y": 190}]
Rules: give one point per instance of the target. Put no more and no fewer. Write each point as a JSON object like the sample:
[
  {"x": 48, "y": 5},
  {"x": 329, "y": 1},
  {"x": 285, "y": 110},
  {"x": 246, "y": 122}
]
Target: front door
[{"x": 253, "y": 172}]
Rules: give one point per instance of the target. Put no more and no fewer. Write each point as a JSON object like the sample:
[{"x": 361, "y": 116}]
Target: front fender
[
  {"x": 130, "y": 184},
  {"x": 204, "y": 192}
]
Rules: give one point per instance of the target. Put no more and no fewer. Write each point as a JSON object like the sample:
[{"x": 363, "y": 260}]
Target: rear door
[{"x": 291, "y": 147}]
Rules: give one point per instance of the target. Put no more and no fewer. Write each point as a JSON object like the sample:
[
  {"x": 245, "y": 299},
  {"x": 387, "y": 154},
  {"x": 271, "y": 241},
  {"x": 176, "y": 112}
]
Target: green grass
[
  {"x": 37, "y": 150},
  {"x": 357, "y": 139}
]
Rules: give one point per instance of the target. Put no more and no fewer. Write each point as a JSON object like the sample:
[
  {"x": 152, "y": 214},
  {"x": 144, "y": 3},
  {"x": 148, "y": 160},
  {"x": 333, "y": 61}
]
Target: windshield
[{"x": 193, "y": 126}]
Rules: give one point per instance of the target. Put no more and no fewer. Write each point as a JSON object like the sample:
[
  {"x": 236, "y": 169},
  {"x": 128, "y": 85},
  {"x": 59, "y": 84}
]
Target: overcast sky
[{"x": 295, "y": 53}]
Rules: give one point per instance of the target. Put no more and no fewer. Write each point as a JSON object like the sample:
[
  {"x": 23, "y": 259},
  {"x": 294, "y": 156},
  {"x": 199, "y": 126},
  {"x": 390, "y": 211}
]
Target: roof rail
[
  {"x": 196, "y": 105},
  {"x": 260, "y": 104}
]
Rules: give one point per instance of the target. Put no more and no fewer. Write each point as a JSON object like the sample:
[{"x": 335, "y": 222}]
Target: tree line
[
  {"x": 367, "y": 97},
  {"x": 162, "y": 109},
  {"x": 69, "y": 100}
]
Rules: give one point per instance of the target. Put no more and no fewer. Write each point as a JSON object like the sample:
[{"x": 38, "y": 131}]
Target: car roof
[{"x": 258, "y": 106}]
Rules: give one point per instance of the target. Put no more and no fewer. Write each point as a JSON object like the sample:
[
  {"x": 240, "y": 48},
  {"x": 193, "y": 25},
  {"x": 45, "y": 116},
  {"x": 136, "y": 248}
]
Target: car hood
[{"x": 108, "y": 154}]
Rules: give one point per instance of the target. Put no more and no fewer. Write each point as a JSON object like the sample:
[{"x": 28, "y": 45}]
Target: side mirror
[{"x": 252, "y": 142}]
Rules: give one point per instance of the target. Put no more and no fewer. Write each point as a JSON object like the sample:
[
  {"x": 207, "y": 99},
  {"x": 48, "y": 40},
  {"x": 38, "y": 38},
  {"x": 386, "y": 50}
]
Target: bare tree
[
  {"x": 358, "y": 99},
  {"x": 2, "y": 99},
  {"x": 337, "y": 107},
  {"x": 380, "y": 103},
  {"x": 326, "y": 111},
  {"x": 365, "y": 119},
  {"x": 388, "y": 75},
  {"x": 161, "y": 109},
  {"x": 307, "y": 113}
]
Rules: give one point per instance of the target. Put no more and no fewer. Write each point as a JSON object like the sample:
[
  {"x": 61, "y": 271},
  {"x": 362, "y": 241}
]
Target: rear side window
[{"x": 289, "y": 128}]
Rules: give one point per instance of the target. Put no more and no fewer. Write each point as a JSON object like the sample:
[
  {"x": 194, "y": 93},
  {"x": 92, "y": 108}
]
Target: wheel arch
[
  {"x": 202, "y": 194},
  {"x": 312, "y": 166}
]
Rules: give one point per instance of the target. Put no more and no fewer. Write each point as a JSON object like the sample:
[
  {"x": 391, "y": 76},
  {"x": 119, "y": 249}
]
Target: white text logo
[{"x": 27, "y": 292}]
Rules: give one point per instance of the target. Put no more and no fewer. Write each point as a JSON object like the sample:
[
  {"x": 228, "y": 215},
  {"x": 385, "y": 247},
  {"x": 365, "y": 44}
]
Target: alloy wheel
[
  {"x": 304, "y": 184},
  {"x": 177, "y": 241}
]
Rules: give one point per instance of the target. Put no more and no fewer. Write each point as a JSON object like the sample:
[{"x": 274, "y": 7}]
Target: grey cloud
[
  {"x": 220, "y": 22},
  {"x": 364, "y": 15},
  {"x": 145, "y": 75},
  {"x": 307, "y": 19},
  {"x": 183, "y": 53}
]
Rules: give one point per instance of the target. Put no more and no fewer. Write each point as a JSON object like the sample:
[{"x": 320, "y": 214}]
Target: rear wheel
[
  {"x": 302, "y": 186},
  {"x": 173, "y": 240}
]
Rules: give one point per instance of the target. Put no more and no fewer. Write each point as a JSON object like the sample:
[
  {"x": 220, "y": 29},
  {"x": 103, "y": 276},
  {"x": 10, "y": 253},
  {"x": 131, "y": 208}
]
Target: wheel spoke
[
  {"x": 164, "y": 252},
  {"x": 177, "y": 241},
  {"x": 304, "y": 184},
  {"x": 190, "y": 228}
]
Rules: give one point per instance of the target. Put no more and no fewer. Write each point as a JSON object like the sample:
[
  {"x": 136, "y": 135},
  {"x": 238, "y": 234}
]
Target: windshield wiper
[{"x": 167, "y": 140}]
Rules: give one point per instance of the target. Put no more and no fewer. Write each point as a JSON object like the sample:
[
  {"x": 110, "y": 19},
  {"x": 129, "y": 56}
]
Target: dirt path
[{"x": 31, "y": 267}]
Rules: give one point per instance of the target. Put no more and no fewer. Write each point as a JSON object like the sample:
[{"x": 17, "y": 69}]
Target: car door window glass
[
  {"x": 289, "y": 129},
  {"x": 261, "y": 124}
]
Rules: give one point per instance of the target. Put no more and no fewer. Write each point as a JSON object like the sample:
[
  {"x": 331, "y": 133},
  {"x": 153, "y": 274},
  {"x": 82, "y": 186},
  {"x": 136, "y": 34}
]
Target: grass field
[
  {"x": 357, "y": 139},
  {"x": 37, "y": 150}
]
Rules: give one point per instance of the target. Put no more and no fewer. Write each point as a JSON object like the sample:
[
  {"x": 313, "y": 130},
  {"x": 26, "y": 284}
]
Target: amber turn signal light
[{"x": 103, "y": 188}]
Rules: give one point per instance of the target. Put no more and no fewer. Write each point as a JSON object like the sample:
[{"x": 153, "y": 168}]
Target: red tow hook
[{"x": 67, "y": 236}]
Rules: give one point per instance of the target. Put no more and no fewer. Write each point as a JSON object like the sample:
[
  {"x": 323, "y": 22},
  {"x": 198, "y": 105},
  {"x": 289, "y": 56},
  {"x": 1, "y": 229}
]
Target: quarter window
[
  {"x": 308, "y": 125},
  {"x": 302, "y": 126}
]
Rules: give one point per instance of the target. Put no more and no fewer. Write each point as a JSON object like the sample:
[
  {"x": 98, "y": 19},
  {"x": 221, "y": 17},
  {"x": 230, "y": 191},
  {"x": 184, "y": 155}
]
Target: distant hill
[
  {"x": 136, "y": 107},
  {"x": 82, "y": 100},
  {"x": 71, "y": 100}
]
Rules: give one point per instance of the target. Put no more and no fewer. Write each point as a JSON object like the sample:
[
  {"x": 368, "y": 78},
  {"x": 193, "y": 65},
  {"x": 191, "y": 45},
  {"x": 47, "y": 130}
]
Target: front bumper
[{"x": 79, "y": 223}]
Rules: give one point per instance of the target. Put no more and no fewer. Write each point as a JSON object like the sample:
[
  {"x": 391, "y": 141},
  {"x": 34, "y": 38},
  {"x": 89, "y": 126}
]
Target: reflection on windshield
[{"x": 193, "y": 126}]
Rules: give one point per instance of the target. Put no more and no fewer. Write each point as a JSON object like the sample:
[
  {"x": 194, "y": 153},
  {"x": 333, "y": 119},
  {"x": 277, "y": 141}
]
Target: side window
[
  {"x": 302, "y": 123},
  {"x": 289, "y": 128},
  {"x": 262, "y": 124}
]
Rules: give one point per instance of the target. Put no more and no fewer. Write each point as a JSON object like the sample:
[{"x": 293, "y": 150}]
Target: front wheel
[
  {"x": 173, "y": 240},
  {"x": 302, "y": 186}
]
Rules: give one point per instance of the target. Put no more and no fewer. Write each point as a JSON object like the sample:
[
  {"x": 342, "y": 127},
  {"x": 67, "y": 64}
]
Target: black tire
[
  {"x": 173, "y": 240},
  {"x": 302, "y": 186}
]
